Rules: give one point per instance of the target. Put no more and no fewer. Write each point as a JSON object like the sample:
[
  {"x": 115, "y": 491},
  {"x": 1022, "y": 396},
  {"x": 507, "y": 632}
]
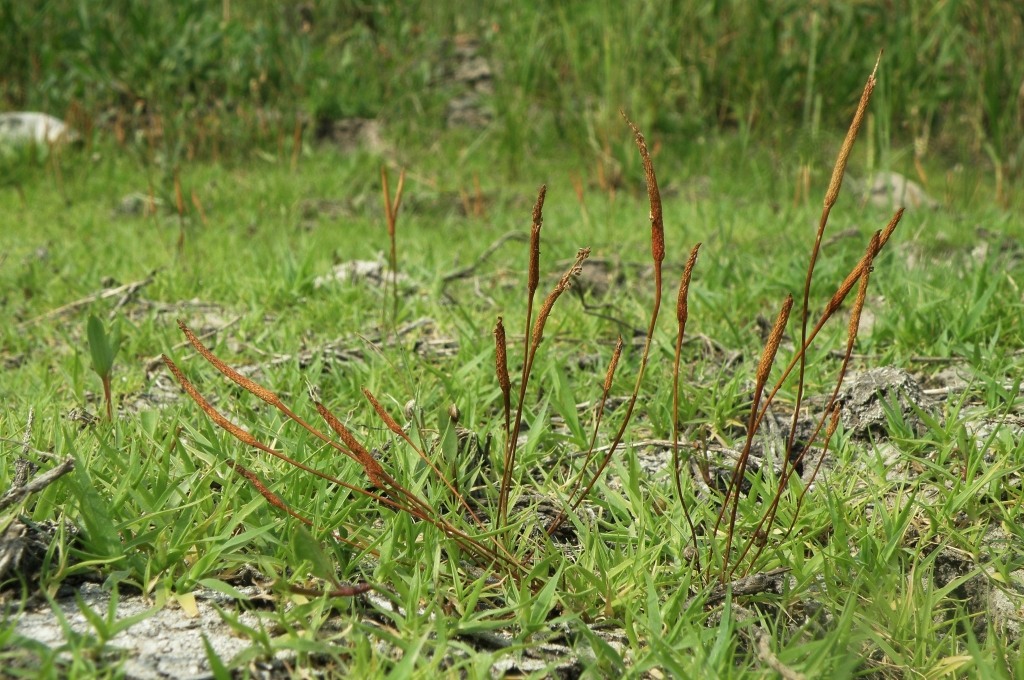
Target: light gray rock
[
  {"x": 891, "y": 190},
  {"x": 26, "y": 127}
]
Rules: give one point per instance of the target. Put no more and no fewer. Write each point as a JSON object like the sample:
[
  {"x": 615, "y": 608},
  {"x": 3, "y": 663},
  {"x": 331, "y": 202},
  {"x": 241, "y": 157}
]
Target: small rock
[
  {"x": 866, "y": 395},
  {"x": 892, "y": 190},
  {"x": 373, "y": 272},
  {"x": 27, "y": 127}
]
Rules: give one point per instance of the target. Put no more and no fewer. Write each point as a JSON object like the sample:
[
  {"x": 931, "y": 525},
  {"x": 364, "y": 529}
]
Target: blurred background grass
[{"x": 221, "y": 78}]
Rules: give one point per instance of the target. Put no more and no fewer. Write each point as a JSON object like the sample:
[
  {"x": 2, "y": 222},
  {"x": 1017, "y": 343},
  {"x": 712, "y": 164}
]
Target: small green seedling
[{"x": 104, "y": 349}]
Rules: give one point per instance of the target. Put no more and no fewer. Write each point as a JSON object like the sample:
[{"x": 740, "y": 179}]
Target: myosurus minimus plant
[{"x": 471, "y": 509}]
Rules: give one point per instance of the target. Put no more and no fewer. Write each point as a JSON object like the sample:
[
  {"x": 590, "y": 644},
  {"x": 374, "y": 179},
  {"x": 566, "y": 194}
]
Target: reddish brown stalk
[
  {"x": 536, "y": 337},
  {"x": 241, "y": 435},
  {"x": 682, "y": 314},
  {"x": 605, "y": 390},
  {"x": 418, "y": 508},
  {"x": 831, "y": 308},
  {"x": 271, "y": 497},
  {"x": 391, "y": 216},
  {"x": 501, "y": 369},
  {"x": 789, "y": 466},
  {"x": 393, "y": 425},
  {"x": 833, "y": 425},
  {"x": 278, "y": 503},
  {"x": 658, "y": 255},
  {"x": 731, "y": 501},
  {"x": 199, "y": 206},
  {"x": 831, "y": 195},
  {"x": 532, "y": 281},
  {"x": 107, "y": 396}
]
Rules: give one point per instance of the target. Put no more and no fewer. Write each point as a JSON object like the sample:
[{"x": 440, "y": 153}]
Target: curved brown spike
[
  {"x": 501, "y": 369},
  {"x": 533, "y": 276},
  {"x": 271, "y": 497},
  {"x": 682, "y": 313},
  {"x": 684, "y": 287},
  {"x": 653, "y": 194},
  {"x": 390, "y": 422},
  {"x": 771, "y": 348},
  {"x": 563, "y": 284},
  {"x": 246, "y": 438},
  {"x": 236, "y": 377},
  {"x": 212, "y": 413},
  {"x": 371, "y": 467},
  {"x": 851, "y": 136}
]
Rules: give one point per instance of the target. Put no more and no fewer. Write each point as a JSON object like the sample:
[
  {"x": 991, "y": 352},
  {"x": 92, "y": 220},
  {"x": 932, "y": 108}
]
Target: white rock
[
  {"x": 24, "y": 127},
  {"x": 893, "y": 190}
]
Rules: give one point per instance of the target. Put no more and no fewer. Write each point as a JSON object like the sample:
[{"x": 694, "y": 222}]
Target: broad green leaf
[
  {"x": 308, "y": 548},
  {"x": 99, "y": 347}
]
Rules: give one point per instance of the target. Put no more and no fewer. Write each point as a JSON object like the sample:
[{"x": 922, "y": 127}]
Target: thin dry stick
[
  {"x": 22, "y": 465},
  {"x": 764, "y": 368},
  {"x": 532, "y": 281},
  {"x": 748, "y": 585},
  {"x": 682, "y": 313},
  {"x": 17, "y": 493},
  {"x": 463, "y": 272},
  {"x": 658, "y": 256},
  {"x": 124, "y": 291},
  {"x": 831, "y": 195}
]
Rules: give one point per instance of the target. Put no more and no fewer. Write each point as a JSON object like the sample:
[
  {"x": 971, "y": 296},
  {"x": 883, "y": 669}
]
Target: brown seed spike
[
  {"x": 214, "y": 415},
  {"x": 501, "y": 357},
  {"x": 391, "y": 423},
  {"x": 236, "y": 377},
  {"x": 612, "y": 365},
  {"x": 862, "y": 291},
  {"x": 271, "y": 497},
  {"x": 771, "y": 347},
  {"x": 501, "y": 368},
  {"x": 533, "y": 277},
  {"x": 833, "y": 423},
  {"x": 371, "y": 467},
  {"x": 653, "y": 194},
  {"x": 851, "y": 136},
  {"x": 684, "y": 287},
  {"x": 563, "y": 284}
]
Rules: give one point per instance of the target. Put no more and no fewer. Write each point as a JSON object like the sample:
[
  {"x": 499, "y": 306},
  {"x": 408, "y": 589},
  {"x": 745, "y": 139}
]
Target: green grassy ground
[
  {"x": 160, "y": 512},
  {"x": 898, "y": 551}
]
